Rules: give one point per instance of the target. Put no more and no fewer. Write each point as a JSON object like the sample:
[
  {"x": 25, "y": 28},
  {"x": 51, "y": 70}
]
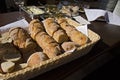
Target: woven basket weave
[{"x": 47, "y": 65}]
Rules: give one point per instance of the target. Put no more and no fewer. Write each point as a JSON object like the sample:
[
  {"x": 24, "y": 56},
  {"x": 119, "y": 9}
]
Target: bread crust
[
  {"x": 46, "y": 42},
  {"x": 55, "y": 31},
  {"x": 74, "y": 35},
  {"x": 23, "y": 41}
]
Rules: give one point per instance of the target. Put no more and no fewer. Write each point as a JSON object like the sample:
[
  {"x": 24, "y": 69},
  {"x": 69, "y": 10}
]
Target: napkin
[
  {"x": 81, "y": 20},
  {"x": 113, "y": 19},
  {"x": 20, "y": 23},
  {"x": 109, "y": 17},
  {"x": 83, "y": 24},
  {"x": 83, "y": 29}
]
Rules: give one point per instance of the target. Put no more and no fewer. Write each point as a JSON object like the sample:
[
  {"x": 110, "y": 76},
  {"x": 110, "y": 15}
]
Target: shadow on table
[{"x": 109, "y": 71}]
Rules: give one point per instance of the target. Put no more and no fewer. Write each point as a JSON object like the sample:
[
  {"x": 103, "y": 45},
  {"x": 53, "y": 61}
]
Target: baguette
[
  {"x": 34, "y": 30},
  {"x": 50, "y": 47},
  {"x": 23, "y": 41},
  {"x": 55, "y": 31},
  {"x": 75, "y": 35}
]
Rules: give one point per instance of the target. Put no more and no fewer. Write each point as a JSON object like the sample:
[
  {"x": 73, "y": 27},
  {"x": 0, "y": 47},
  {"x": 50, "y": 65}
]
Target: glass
[{"x": 20, "y": 4}]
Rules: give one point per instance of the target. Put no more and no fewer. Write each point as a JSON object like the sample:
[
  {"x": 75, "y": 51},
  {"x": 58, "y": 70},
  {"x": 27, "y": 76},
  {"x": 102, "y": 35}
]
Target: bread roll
[
  {"x": 69, "y": 46},
  {"x": 75, "y": 35},
  {"x": 54, "y": 30},
  {"x": 47, "y": 43},
  {"x": 23, "y": 41},
  {"x": 7, "y": 66},
  {"x": 36, "y": 58}
]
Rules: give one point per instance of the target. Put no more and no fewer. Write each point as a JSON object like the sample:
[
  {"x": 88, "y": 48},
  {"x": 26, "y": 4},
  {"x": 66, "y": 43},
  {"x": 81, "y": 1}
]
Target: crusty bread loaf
[
  {"x": 54, "y": 30},
  {"x": 23, "y": 41},
  {"x": 47, "y": 43},
  {"x": 75, "y": 35}
]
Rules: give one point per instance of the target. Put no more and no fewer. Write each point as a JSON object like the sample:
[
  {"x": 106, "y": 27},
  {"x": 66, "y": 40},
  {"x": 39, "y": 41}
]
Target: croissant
[
  {"x": 50, "y": 47},
  {"x": 54, "y": 30},
  {"x": 23, "y": 41},
  {"x": 75, "y": 35}
]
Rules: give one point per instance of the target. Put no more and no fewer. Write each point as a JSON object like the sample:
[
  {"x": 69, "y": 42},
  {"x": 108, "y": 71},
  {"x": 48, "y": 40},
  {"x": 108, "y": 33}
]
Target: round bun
[{"x": 36, "y": 58}]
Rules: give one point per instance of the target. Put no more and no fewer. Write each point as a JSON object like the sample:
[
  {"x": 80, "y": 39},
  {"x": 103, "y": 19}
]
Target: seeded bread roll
[
  {"x": 23, "y": 41},
  {"x": 75, "y": 35},
  {"x": 47, "y": 43},
  {"x": 54, "y": 30}
]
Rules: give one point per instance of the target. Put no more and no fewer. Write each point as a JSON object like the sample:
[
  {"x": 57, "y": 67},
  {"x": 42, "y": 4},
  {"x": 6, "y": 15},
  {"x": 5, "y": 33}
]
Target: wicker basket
[{"x": 47, "y": 65}]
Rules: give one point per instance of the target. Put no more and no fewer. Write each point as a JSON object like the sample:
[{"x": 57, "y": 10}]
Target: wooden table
[{"x": 99, "y": 55}]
